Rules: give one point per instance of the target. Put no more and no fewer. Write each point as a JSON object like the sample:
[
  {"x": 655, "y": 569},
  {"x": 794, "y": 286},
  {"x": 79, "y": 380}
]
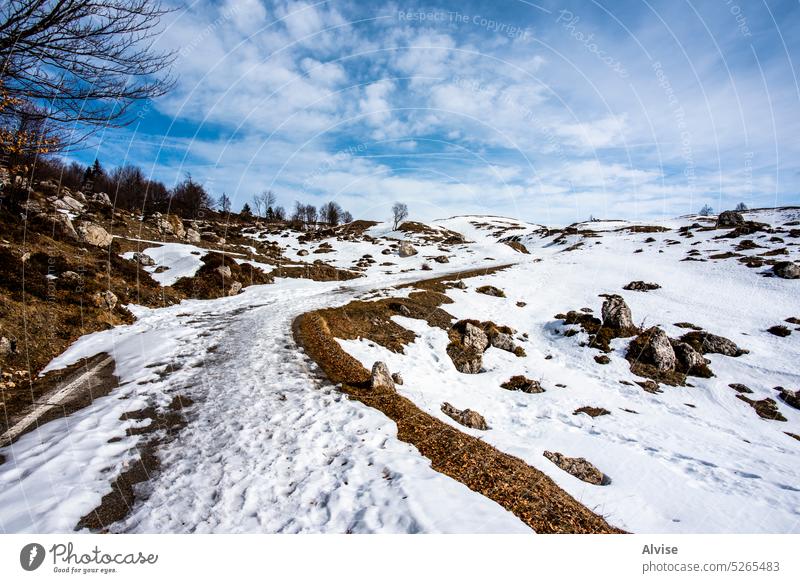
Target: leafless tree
[
  {"x": 331, "y": 213},
  {"x": 310, "y": 216},
  {"x": 347, "y": 217},
  {"x": 263, "y": 202},
  {"x": 84, "y": 61},
  {"x": 399, "y": 213}
]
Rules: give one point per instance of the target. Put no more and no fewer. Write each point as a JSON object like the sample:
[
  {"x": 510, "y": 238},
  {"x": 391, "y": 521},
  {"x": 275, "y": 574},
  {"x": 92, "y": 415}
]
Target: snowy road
[{"x": 270, "y": 446}]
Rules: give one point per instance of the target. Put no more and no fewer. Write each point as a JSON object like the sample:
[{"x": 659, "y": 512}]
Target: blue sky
[{"x": 550, "y": 111}]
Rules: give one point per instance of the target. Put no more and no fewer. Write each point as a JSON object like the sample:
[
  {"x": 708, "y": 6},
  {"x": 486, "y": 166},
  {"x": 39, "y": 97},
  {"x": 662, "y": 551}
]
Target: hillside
[{"x": 540, "y": 387}]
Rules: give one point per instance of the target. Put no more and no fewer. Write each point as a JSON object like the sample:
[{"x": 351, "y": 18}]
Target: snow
[
  {"x": 716, "y": 467},
  {"x": 272, "y": 448},
  {"x": 179, "y": 259}
]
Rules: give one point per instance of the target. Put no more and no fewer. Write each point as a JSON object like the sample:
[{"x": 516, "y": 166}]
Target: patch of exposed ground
[{"x": 518, "y": 487}]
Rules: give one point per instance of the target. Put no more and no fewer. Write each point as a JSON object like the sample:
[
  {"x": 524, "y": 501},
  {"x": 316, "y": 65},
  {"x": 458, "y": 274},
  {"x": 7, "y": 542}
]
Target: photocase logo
[{"x": 31, "y": 556}]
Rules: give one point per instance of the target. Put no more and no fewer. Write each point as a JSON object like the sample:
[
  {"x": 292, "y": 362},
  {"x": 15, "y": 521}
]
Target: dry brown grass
[{"x": 518, "y": 487}]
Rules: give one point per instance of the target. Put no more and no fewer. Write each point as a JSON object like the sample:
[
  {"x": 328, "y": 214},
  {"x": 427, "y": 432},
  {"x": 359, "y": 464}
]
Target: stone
[
  {"x": 475, "y": 338},
  {"x": 524, "y": 384},
  {"x": 171, "y": 225},
  {"x": 490, "y": 290},
  {"x": 93, "y": 234},
  {"x": 7, "y": 347},
  {"x": 143, "y": 259},
  {"x": 616, "y": 313},
  {"x": 641, "y": 286},
  {"x": 63, "y": 227},
  {"x": 467, "y": 417},
  {"x": 503, "y": 341},
  {"x": 398, "y": 380},
  {"x": 406, "y": 249},
  {"x": 578, "y": 467},
  {"x": 193, "y": 236},
  {"x": 69, "y": 204},
  {"x": 106, "y": 299},
  {"x": 302, "y": 252},
  {"x": 688, "y": 359},
  {"x": 791, "y": 398},
  {"x": 705, "y": 343},
  {"x": 235, "y": 288},
  {"x": 381, "y": 377},
  {"x": 656, "y": 349},
  {"x": 786, "y": 270},
  {"x": 441, "y": 259},
  {"x": 70, "y": 277},
  {"x": 101, "y": 198},
  {"x": 729, "y": 219},
  {"x": 460, "y": 285},
  {"x": 224, "y": 271}
]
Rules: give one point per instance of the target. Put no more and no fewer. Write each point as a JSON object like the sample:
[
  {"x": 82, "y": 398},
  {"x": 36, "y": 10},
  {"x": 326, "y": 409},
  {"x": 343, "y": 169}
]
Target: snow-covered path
[{"x": 270, "y": 447}]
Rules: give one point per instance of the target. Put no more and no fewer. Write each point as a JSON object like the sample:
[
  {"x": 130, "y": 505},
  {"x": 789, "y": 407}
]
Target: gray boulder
[
  {"x": 728, "y": 219},
  {"x": 616, "y": 313},
  {"x": 381, "y": 377},
  {"x": 578, "y": 467},
  {"x": 467, "y": 417},
  {"x": 786, "y": 270},
  {"x": 406, "y": 249},
  {"x": 92, "y": 234},
  {"x": 656, "y": 349}
]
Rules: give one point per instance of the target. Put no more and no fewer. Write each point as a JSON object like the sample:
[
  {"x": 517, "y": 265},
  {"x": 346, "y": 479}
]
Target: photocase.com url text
[{"x": 729, "y": 567}]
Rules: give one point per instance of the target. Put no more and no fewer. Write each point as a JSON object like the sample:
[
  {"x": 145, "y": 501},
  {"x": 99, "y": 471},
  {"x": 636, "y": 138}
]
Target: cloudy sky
[{"x": 549, "y": 111}]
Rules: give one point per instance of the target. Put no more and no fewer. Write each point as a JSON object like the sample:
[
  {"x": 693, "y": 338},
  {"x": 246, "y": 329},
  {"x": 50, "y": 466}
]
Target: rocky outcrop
[
  {"x": 93, "y": 234},
  {"x": 791, "y": 398},
  {"x": 441, "y": 259},
  {"x": 381, "y": 378},
  {"x": 62, "y": 226},
  {"x": 474, "y": 338},
  {"x": 729, "y": 219},
  {"x": 786, "y": 270},
  {"x": 106, "y": 299},
  {"x": 397, "y": 378},
  {"x": 653, "y": 347},
  {"x": 143, "y": 259},
  {"x": 193, "y": 236},
  {"x": 171, "y": 225},
  {"x": 765, "y": 408},
  {"x": 224, "y": 271},
  {"x": 578, "y": 467},
  {"x": 406, "y": 249},
  {"x": 524, "y": 384},
  {"x": 690, "y": 361},
  {"x": 616, "y": 313},
  {"x": 503, "y": 341},
  {"x": 641, "y": 286},
  {"x": 467, "y": 417},
  {"x": 235, "y": 288},
  {"x": 705, "y": 343},
  {"x": 490, "y": 290}
]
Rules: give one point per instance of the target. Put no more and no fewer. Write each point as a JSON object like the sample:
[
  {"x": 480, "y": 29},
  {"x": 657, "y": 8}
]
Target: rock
[
  {"x": 7, "y": 347},
  {"x": 791, "y": 398},
  {"x": 524, "y": 384},
  {"x": 728, "y": 219},
  {"x": 404, "y": 311},
  {"x": 302, "y": 252},
  {"x": 426, "y": 267},
  {"x": 398, "y": 380},
  {"x": 381, "y": 378},
  {"x": 616, "y": 313},
  {"x": 101, "y": 198},
  {"x": 641, "y": 286},
  {"x": 460, "y": 285},
  {"x": 106, "y": 299},
  {"x": 578, "y": 467},
  {"x": 706, "y": 343},
  {"x": 475, "y": 338},
  {"x": 740, "y": 388},
  {"x": 171, "y": 225},
  {"x": 92, "y": 234},
  {"x": 62, "y": 226},
  {"x": 406, "y": 249},
  {"x": 465, "y": 360},
  {"x": 193, "y": 236},
  {"x": 143, "y": 259},
  {"x": 441, "y": 259},
  {"x": 467, "y": 417},
  {"x": 765, "y": 408},
  {"x": 235, "y": 288},
  {"x": 503, "y": 341},
  {"x": 490, "y": 290},
  {"x": 689, "y": 360},
  {"x": 786, "y": 270},
  {"x": 224, "y": 271},
  {"x": 602, "y": 359},
  {"x": 69, "y": 204},
  {"x": 592, "y": 411},
  {"x": 654, "y": 347}
]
